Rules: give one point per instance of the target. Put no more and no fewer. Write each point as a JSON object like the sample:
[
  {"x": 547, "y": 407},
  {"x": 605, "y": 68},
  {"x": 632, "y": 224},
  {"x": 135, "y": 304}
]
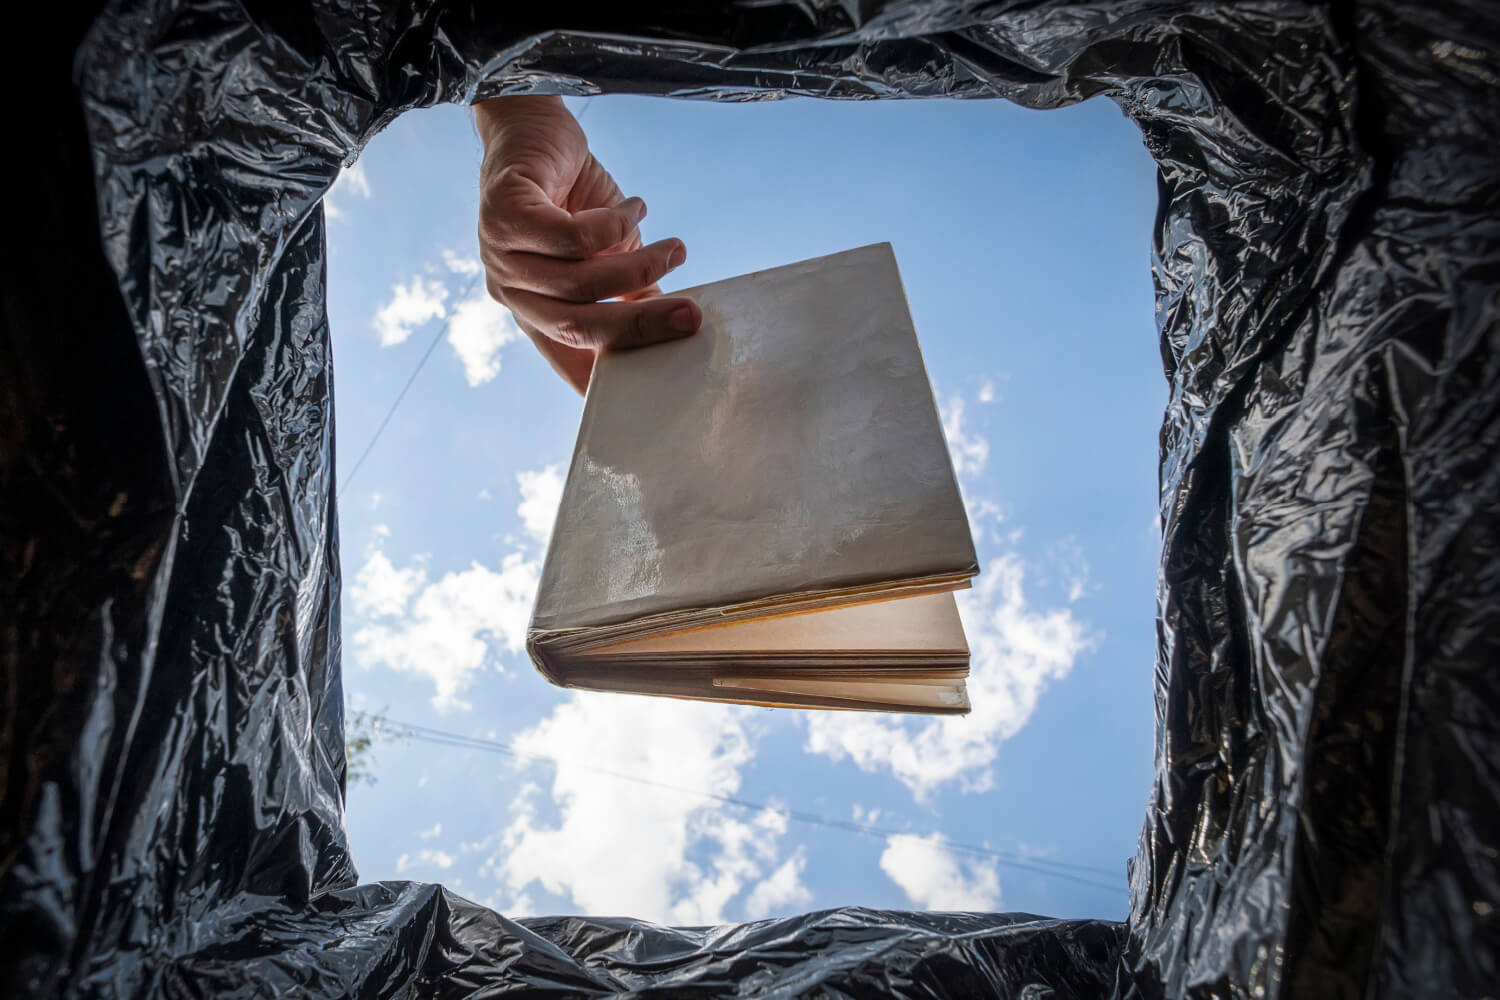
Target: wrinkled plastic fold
[{"x": 1326, "y": 256}]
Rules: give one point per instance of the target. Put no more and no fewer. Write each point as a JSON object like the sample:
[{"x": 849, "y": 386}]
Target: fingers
[
  {"x": 600, "y": 325},
  {"x": 645, "y": 293},
  {"x": 558, "y": 245},
  {"x": 574, "y": 364},
  {"x": 519, "y": 218},
  {"x": 604, "y": 276}
]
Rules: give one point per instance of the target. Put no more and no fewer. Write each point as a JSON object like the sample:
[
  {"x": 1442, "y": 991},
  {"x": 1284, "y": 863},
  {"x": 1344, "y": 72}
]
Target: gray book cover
[{"x": 790, "y": 450}]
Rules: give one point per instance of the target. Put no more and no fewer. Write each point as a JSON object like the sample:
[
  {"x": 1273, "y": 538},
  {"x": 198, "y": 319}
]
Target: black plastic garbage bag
[{"x": 1325, "y": 818}]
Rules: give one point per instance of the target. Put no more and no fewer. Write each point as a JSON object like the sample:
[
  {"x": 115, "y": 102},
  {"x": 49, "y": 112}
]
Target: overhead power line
[
  {"x": 391, "y": 410},
  {"x": 422, "y": 361},
  {"x": 1040, "y": 866}
]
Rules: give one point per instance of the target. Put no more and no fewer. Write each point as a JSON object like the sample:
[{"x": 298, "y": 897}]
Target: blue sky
[{"x": 1024, "y": 244}]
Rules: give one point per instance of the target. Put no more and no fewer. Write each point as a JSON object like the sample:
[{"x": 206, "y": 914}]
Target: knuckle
[
  {"x": 647, "y": 272},
  {"x": 570, "y": 333},
  {"x": 494, "y": 223},
  {"x": 491, "y": 231},
  {"x": 586, "y": 288},
  {"x": 638, "y": 331},
  {"x": 572, "y": 243}
]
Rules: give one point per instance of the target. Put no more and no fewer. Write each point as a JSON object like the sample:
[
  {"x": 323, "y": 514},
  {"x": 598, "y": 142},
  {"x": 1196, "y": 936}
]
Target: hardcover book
[{"x": 765, "y": 512}]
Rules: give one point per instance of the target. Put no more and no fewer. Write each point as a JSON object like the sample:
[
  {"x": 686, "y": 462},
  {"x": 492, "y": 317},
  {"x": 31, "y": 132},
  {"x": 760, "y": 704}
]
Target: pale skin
[{"x": 561, "y": 244}]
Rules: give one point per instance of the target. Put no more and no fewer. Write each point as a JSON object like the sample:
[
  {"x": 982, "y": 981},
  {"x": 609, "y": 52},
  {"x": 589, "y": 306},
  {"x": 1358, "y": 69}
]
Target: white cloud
[
  {"x": 427, "y": 856},
  {"x": 435, "y": 831},
  {"x": 623, "y": 847},
  {"x": 351, "y": 182},
  {"x": 970, "y": 451},
  {"x": 411, "y": 305},
  {"x": 451, "y": 629},
  {"x": 461, "y": 263},
  {"x": 781, "y": 893},
  {"x": 382, "y": 589},
  {"x": 987, "y": 391},
  {"x": 477, "y": 331},
  {"x": 541, "y": 492},
  {"x": 1015, "y": 652},
  {"x": 478, "y": 326},
  {"x": 984, "y": 517},
  {"x": 1069, "y": 563},
  {"x": 934, "y": 879},
  {"x": 520, "y": 906},
  {"x": 453, "y": 623}
]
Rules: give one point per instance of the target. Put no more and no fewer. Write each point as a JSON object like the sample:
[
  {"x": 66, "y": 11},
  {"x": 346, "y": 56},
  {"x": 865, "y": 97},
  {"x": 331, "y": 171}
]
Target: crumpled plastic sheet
[{"x": 1324, "y": 818}]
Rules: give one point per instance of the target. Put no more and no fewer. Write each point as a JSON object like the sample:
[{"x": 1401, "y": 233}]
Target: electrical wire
[
  {"x": 1041, "y": 866},
  {"x": 391, "y": 411},
  {"x": 422, "y": 361},
  {"x": 427, "y": 734}
]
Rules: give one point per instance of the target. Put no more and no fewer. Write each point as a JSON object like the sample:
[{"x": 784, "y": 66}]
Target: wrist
[{"x": 490, "y": 116}]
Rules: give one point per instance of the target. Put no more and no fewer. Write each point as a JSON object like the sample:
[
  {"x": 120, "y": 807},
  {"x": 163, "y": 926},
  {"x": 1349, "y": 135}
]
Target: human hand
[{"x": 558, "y": 238}]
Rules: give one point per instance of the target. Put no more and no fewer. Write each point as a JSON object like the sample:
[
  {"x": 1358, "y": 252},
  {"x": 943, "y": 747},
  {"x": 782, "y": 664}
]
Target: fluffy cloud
[
  {"x": 461, "y": 263},
  {"x": 782, "y": 891},
  {"x": 450, "y": 629},
  {"x": 382, "y": 589},
  {"x": 933, "y": 878},
  {"x": 427, "y": 857},
  {"x": 351, "y": 183},
  {"x": 667, "y": 855},
  {"x": 477, "y": 331},
  {"x": 453, "y": 624},
  {"x": 411, "y": 305},
  {"x": 1015, "y": 651},
  {"x": 478, "y": 326},
  {"x": 541, "y": 492},
  {"x": 970, "y": 451},
  {"x": 1067, "y": 562}
]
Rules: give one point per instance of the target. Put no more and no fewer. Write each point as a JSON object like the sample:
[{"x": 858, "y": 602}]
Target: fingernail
[
  {"x": 679, "y": 256},
  {"x": 682, "y": 319},
  {"x": 640, "y": 212}
]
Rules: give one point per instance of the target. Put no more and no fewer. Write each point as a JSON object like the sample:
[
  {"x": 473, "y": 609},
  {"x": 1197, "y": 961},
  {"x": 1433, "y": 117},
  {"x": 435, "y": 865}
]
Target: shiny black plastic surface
[{"x": 1325, "y": 816}]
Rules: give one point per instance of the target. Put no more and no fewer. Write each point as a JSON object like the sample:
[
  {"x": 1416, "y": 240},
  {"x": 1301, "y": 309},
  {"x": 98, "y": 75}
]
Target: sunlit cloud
[
  {"x": 452, "y": 628},
  {"x": 412, "y": 304},
  {"x": 456, "y": 625},
  {"x": 477, "y": 330},
  {"x": 1016, "y": 650},
  {"x": 427, "y": 857},
  {"x": 670, "y": 855},
  {"x": 970, "y": 451},
  {"x": 478, "y": 326},
  {"x": 461, "y": 263},
  {"x": 541, "y": 493},
  {"x": 934, "y": 878}
]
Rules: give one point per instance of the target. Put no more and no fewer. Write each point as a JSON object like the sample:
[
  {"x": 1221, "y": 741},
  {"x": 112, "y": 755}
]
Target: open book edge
[
  {"x": 923, "y": 623},
  {"x": 907, "y": 653}
]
